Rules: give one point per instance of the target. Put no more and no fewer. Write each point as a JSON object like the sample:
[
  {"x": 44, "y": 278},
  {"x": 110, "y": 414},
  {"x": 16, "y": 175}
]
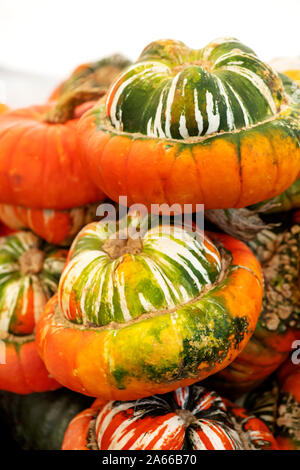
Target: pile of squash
[{"x": 126, "y": 325}]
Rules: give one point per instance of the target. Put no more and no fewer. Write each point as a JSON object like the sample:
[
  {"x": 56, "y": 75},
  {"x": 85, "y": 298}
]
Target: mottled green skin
[
  {"x": 206, "y": 333},
  {"x": 38, "y": 421}
]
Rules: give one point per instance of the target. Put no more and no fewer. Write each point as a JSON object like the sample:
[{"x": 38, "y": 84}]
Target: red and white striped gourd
[{"x": 190, "y": 418}]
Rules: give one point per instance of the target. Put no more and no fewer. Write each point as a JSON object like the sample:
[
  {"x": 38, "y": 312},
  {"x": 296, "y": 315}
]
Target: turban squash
[
  {"x": 43, "y": 184},
  {"x": 141, "y": 315},
  {"x": 189, "y": 418},
  {"x": 279, "y": 322},
  {"x": 38, "y": 421},
  {"x": 277, "y": 403},
  {"x": 29, "y": 274},
  {"x": 184, "y": 126}
]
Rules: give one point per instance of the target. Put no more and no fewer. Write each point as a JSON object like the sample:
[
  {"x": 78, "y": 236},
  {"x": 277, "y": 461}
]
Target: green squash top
[
  {"x": 114, "y": 279},
  {"x": 176, "y": 92}
]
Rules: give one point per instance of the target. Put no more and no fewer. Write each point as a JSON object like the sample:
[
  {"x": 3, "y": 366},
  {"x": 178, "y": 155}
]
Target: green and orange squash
[
  {"x": 29, "y": 275},
  {"x": 190, "y": 418},
  {"x": 183, "y": 126},
  {"x": 144, "y": 314}
]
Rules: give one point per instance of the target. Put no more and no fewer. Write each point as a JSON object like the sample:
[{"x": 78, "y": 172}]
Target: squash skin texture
[{"x": 149, "y": 356}]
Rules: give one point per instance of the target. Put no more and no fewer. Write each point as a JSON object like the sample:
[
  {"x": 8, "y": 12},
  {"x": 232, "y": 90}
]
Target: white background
[{"x": 50, "y": 37}]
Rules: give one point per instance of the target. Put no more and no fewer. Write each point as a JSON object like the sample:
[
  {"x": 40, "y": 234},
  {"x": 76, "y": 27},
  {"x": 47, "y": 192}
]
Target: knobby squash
[
  {"x": 190, "y": 418},
  {"x": 29, "y": 275},
  {"x": 137, "y": 315},
  {"x": 184, "y": 126},
  {"x": 279, "y": 322}
]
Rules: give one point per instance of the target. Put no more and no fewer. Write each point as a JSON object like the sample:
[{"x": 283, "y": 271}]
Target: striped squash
[
  {"x": 143, "y": 315},
  {"x": 190, "y": 418},
  {"x": 279, "y": 322},
  {"x": 190, "y": 93},
  {"x": 194, "y": 126},
  {"x": 55, "y": 226},
  {"x": 277, "y": 403},
  {"x": 29, "y": 275}
]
